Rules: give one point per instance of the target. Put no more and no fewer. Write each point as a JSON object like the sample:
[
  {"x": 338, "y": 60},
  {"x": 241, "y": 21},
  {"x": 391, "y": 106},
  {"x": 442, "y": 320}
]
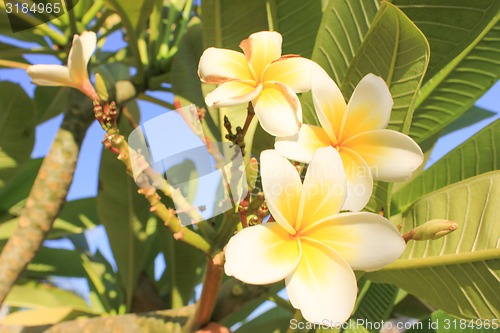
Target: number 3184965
[{"x": 12, "y": 7}]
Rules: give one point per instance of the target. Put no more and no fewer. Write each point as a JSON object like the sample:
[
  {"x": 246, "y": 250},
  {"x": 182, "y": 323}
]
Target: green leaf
[
  {"x": 183, "y": 272},
  {"x": 17, "y": 130},
  {"x": 456, "y": 273},
  {"x": 479, "y": 154},
  {"x": 458, "y": 85},
  {"x": 133, "y": 13},
  {"x": 441, "y": 322},
  {"x": 276, "y": 320},
  {"x": 43, "y": 316},
  {"x": 449, "y": 25},
  {"x": 106, "y": 296},
  {"x": 392, "y": 48},
  {"x": 55, "y": 262},
  {"x": 125, "y": 215},
  {"x": 343, "y": 29},
  {"x": 76, "y": 217},
  {"x": 472, "y": 116},
  {"x": 50, "y": 102},
  {"x": 226, "y": 23},
  {"x": 375, "y": 303},
  {"x": 17, "y": 190},
  {"x": 34, "y": 294}
]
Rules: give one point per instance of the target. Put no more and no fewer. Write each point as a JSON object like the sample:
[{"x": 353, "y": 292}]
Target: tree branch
[{"x": 48, "y": 193}]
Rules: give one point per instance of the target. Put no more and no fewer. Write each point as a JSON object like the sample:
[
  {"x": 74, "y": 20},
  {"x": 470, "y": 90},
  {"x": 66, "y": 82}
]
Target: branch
[{"x": 47, "y": 195}]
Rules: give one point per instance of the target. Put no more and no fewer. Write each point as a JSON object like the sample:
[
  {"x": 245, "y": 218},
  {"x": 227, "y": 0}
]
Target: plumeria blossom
[
  {"x": 261, "y": 75},
  {"x": 311, "y": 245},
  {"x": 357, "y": 131},
  {"x": 75, "y": 74}
]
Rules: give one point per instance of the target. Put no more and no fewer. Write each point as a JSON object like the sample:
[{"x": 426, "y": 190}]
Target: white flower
[
  {"x": 311, "y": 245},
  {"x": 357, "y": 131},
  {"x": 260, "y": 75},
  {"x": 75, "y": 74}
]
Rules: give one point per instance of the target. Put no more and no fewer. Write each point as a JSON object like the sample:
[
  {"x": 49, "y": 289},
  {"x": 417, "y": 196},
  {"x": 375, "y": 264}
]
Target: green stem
[
  {"x": 297, "y": 317},
  {"x": 92, "y": 12},
  {"x": 156, "y": 101},
  {"x": 100, "y": 21},
  {"x": 72, "y": 21}
]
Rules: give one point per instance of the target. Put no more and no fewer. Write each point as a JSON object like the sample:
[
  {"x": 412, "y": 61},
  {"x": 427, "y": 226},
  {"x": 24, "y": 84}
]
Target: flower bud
[
  {"x": 252, "y": 172},
  {"x": 102, "y": 91},
  {"x": 433, "y": 229}
]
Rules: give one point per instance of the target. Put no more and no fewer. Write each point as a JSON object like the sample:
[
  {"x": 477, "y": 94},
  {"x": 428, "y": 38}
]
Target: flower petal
[
  {"x": 77, "y": 63},
  {"x": 328, "y": 102},
  {"x": 221, "y": 65},
  {"x": 359, "y": 180},
  {"x": 294, "y": 71},
  {"x": 262, "y": 48},
  {"x": 49, "y": 75},
  {"x": 282, "y": 187},
  {"x": 367, "y": 241},
  {"x": 392, "y": 156},
  {"x": 302, "y": 146},
  {"x": 233, "y": 93},
  {"x": 278, "y": 109},
  {"x": 89, "y": 43},
  {"x": 369, "y": 107},
  {"x": 324, "y": 189},
  {"x": 323, "y": 286},
  {"x": 261, "y": 254}
]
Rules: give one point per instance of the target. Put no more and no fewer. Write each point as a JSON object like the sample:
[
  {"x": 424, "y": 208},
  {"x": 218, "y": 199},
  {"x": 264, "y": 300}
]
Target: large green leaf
[
  {"x": 55, "y": 262},
  {"x": 458, "y": 85},
  {"x": 49, "y": 102},
  {"x": 226, "y": 23},
  {"x": 472, "y": 116},
  {"x": 183, "y": 272},
  {"x": 16, "y": 191},
  {"x": 441, "y": 322},
  {"x": 43, "y": 316},
  {"x": 76, "y": 217},
  {"x": 376, "y": 301},
  {"x": 392, "y": 48},
  {"x": 449, "y": 25},
  {"x": 276, "y": 320},
  {"x": 457, "y": 273},
  {"x": 125, "y": 215},
  {"x": 479, "y": 154},
  {"x": 344, "y": 26},
  {"x": 17, "y": 130},
  {"x": 34, "y": 294},
  {"x": 106, "y": 296},
  {"x": 133, "y": 13}
]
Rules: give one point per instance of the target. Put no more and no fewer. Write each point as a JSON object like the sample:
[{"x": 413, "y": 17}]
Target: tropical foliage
[{"x": 435, "y": 58}]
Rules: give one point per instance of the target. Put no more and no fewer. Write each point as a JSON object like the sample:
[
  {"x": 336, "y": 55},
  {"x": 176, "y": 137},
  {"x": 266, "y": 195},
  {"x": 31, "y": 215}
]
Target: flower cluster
[{"x": 312, "y": 244}]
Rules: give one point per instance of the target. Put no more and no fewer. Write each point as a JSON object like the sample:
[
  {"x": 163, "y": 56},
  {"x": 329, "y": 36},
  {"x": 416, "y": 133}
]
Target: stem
[
  {"x": 248, "y": 120},
  {"x": 72, "y": 20},
  {"x": 297, "y": 318},
  {"x": 211, "y": 284},
  {"x": 13, "y": 64},
  {"x": 47, "y": 195},
  {"x": 118, "y": 142},
  {"x": 156, "y": 101},
  {"x": 92, "y": 12}
]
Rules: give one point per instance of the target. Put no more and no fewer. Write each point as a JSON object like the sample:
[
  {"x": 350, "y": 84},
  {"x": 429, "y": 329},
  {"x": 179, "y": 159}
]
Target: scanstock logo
[
  {"x": 205, "y": 180},
  {"x": 26, "y": 14}
]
